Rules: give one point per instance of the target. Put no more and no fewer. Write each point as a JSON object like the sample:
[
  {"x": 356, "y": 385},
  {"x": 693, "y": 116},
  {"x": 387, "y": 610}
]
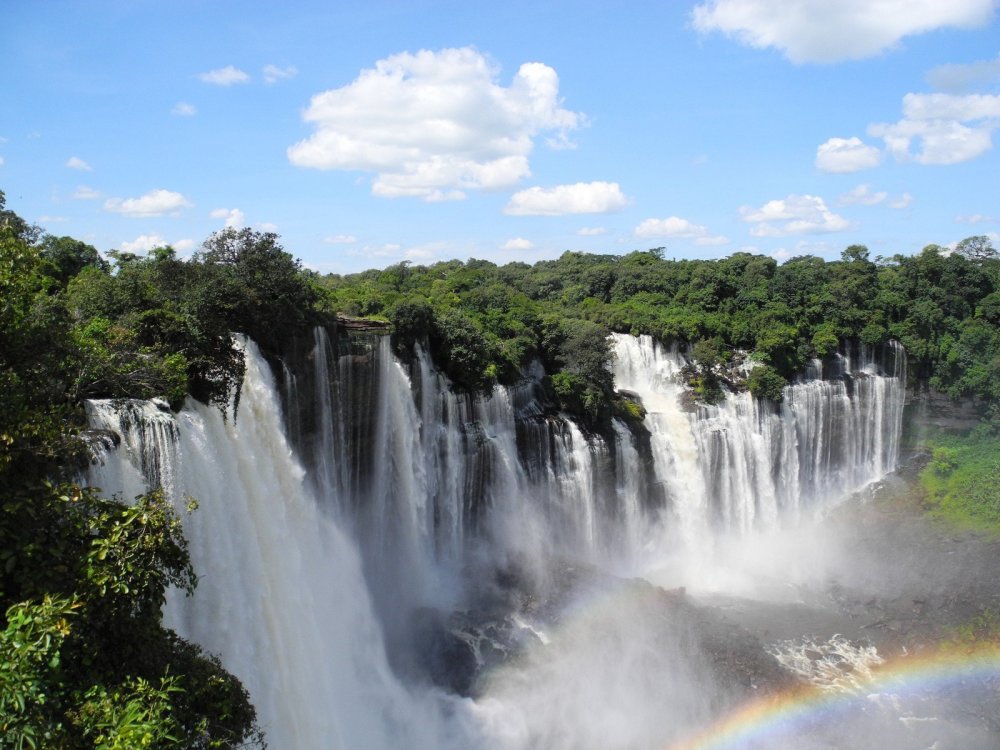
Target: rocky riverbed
[{"x": 880, "y": 580}]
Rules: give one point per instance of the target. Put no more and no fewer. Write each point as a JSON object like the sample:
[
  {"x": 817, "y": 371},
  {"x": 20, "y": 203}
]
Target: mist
[{"x": 388, "y": 563}]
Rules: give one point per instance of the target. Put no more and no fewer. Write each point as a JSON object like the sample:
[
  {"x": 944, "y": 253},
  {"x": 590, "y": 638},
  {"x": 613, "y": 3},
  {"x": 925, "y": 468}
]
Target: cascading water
[
  {"x": 743, "y": 464},
  {"x": 409, "y": 496},
  {"x": 281, "y": 598}
]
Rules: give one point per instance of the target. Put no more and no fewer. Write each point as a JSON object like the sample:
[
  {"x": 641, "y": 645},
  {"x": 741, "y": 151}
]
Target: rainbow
[{"x": 761, "y": 723}]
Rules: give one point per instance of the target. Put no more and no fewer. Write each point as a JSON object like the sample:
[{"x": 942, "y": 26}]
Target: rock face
[
  {"x": 929, "y": 409},
  {"x": 461, "y": 649}
]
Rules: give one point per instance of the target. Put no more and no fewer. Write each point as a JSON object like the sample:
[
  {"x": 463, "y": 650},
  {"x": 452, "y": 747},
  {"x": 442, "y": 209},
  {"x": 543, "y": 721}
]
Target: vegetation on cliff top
[{"x": 943, "y": 306}]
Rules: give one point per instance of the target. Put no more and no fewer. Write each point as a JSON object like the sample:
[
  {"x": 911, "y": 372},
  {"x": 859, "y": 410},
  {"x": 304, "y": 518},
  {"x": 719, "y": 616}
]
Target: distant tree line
[{"x": 483, "y": 322}]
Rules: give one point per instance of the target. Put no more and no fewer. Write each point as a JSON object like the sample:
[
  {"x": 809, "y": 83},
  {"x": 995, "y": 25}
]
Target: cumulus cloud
[
  {"x": 579, "y": 198},
  {"x": 233, "y": 216},
  {"x": 227, "y": 76},
  {"x": 864, "y": 196},
  {"x": 944, "y": 128},
  {"x": 591, "y": 231},
  {"x": 184, "y": 109},
  {"x": 273, "y": 73},
  {"x": 796, "y": 214},
  {"x": 674, "y": 226},
  {"x": 143, "y": 243},
  {"x": 85, "y": 193},
  {"x": 517, "y": 243},
  {"x": 418, "y": 253},
  {"x": 340, "y": 239},
  {"x": 433, "y": 125},
  {"x": 958, "y": 79},
  {"x": 75, "y": 162},
  {"x": 153, "y": 203},
  {"x": 184, "y": 246},
  {"x": 843, "y": 155},
  {"x": 819, "y": 31}
]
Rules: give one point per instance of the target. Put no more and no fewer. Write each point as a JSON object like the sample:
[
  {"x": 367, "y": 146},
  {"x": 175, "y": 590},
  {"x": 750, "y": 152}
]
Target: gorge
[{"x": 386, "y": 562}]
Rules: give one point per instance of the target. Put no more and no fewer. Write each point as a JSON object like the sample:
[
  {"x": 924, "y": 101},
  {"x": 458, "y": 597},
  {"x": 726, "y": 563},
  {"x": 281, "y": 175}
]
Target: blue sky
[{"x": 369, "y": 133}]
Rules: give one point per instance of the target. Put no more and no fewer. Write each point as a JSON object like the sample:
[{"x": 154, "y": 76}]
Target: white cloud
[
  {"x": 843, "y": 155},
  {"x": 864, "y": 196},
  {"x": 674, "y": 226},
  {"x": 957, "y": 79},
  {"x": 976, "y": 219},
  {"x": 713, "y": 240},
  {"x": 433, "y": 125},
  {"x": 226, "y": 76},
  {"x": 273, "y": 73},
  {"x": 184, "y": 109},
  {"x": 46, "y": 219},
  {"x": 153, "y": 203},
  {"x": 233, "y": 216},
  {"x": 184, "y": 246},
  {"x": 517, "y": 243},
  {"x": 821, "y": 31},
  {"x": 75, "y": 162},
  {"x": 267, "y": 226},
  {"x": 960, "y": 107},
  {"x": 84, "y": 193},
  {"x": 937, "y": 123},
  {"x": 143, "y": 243},
  {"x": 796, "y": 214},
  {"x": 579, "y": 198},
  {"x": 591, "y": 231},
  {"x": 418, "y": 253},
  {"x": 1, "y": 161},
  {"x": 902, "y": 201},
  {"x": 340, "y": 239}
]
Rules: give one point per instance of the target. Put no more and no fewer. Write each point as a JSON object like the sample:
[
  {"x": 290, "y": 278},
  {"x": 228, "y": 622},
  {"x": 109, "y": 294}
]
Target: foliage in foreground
[
  {"x": 961, "y": 478},
  {"x": 84, "y": 659}
]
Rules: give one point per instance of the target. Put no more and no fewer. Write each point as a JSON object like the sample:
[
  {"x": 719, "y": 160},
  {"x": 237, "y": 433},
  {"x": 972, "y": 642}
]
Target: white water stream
[{"x": 307, "y": 579}]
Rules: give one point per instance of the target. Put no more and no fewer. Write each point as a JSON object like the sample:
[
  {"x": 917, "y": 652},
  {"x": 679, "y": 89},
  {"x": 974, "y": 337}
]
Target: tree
[
  {"x": 20, "y": 229},
  {"x": 766, "y": 382},
  {"x": 270, "y": 295},
  {"x": 977, "y": 249},
  {"x": 84, "y": 659},
  {"x": 67, "y": 257}
]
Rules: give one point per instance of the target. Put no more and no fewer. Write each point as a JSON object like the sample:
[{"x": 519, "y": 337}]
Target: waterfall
[
  {"x": 281, "y": 598},
  {"x": 327, "y": 528},
  {"x": 744, "y": 465}
]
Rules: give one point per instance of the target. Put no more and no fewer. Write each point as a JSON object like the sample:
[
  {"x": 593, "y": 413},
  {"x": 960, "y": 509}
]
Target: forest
[{"x": 84, "y": 658}]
